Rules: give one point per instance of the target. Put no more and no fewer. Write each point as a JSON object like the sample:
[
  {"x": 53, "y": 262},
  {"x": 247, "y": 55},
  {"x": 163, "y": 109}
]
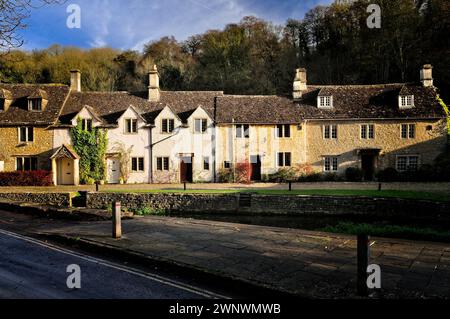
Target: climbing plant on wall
[{"x": 91, "y": 147}]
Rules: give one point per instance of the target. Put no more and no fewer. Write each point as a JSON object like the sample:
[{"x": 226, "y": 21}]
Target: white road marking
[{"x": 173, "y": 283}]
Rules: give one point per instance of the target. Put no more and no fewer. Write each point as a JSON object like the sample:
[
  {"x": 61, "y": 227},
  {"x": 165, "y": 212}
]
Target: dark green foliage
[
  {"x": 256, "y": 57},
  {"x": 91, "y": 147},
  {"x": 353, "y": 174}
]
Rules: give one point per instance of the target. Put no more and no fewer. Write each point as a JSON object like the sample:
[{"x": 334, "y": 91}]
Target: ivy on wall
[
  {"x": 447, "y": 111},
  {"x": 91, "y": 147}
]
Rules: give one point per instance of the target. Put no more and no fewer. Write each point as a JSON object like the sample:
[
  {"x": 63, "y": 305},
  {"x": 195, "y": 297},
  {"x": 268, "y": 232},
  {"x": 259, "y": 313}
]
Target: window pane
[
  {"x": 227, "y": 164},
  {"x": 402, "y": 164},
  {"x": 404, "y": 131},
  {"x": 279, "y": 131},
  {"x": 206, "y": 163},
  {"x": 327, "y": 164},
  {"x": 287, "y": 131},
  {"x": 134, "y": 126},
  {"x": 327, "y": 131},
  {"x": 412, "y": 131},
  {"x": 164, "y": 126},
  {"x": 141, "y": 164},
  {"x": 204, "y": 125},
  {"x": 26, "y": 164},
  {"x": 334, "y": 131},
  {"x": 166, "y": 163},
  {"x": 363, "y": 131},
  {"x": 247, "y": 131},
  {"x": 413, "y": 163},
  {"x": 34, "y": 165},
  {"x": 371, "y": 131},
  {"x": 134, "y": 164},
  {"x": 287, "y": 159},
  {"x": 30, "y": 137},
  {"x": 335, "y": 164},
  {"x": 239, "y": 131},
  {"x": 171, "y": 126},
  {"x": 23, "y": 134},
  {"x": 19, "y": 163},
  {"x": 2, "y": 104},
  {"x": 280, "y": 159},
  {"x": 159, "y": 164}
]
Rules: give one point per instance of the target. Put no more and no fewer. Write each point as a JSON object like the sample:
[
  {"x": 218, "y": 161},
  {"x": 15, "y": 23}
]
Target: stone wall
[
  {"x": 271, "y": 204},
  {"x": 54, "y": 199},
  {"x": 428, "y": 144}
]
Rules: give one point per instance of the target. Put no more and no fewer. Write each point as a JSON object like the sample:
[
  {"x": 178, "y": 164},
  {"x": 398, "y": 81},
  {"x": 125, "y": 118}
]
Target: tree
[{"x": 13, "y": 14}]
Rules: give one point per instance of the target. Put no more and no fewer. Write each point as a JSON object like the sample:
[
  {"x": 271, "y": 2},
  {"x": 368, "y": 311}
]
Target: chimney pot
[
  {"x": 75, "y": 80},
  {"x": 426, "y": 75}
]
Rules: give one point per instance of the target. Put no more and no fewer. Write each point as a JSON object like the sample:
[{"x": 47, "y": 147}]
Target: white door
[
  {"x": 66, "y": 171},
  {"x": 113, "y": 170}
]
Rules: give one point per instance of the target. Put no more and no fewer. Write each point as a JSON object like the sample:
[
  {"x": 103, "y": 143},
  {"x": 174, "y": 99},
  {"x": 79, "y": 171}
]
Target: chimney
[
  {"x": 299, "y": 83},
  {"x": 75, "y": 80},
  {"x": 426, "y": 75},
  {"x": 153, "y": 88}
]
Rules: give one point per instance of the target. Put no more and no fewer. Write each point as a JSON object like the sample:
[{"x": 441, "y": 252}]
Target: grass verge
[{"x": 389, "y": 231}]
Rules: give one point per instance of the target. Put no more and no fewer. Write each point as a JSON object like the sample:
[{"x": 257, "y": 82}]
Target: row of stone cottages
[{"x": 189, "y": 136}]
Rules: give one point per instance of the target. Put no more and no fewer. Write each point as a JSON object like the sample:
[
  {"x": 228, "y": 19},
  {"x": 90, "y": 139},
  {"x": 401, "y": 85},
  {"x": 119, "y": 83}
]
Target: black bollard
[{"x": 363, "y": 263}]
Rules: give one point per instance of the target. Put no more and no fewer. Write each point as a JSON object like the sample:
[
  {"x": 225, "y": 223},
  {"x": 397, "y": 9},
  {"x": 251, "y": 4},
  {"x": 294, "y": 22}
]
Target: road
[{"x": 32, "y": 269}]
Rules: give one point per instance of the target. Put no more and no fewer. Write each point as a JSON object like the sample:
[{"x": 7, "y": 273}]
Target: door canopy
[{"x": 65, "y": 151}]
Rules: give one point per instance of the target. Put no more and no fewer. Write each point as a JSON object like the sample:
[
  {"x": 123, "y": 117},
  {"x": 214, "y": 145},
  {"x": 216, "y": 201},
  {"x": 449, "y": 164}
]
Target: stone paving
[{"x": 310, "y": 264}]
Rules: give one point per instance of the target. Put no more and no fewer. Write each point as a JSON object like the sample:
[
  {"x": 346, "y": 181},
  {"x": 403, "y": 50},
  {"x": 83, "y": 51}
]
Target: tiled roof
[
  {"x": 18, "y": 113},
  {"x": 371, "y": 102},
  {"x": 110, "y": 106}
]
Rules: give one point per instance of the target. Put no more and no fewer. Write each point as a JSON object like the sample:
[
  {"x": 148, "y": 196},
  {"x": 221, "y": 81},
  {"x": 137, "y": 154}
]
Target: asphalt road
[{"x": 32, "y": 269}]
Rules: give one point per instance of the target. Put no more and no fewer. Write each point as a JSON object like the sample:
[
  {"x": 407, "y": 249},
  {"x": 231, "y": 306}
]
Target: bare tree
[{"x": 13, "y": 14}]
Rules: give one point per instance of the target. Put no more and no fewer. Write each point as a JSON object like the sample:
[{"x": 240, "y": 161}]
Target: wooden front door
[
  {"x": 368, "y": 166},
  {"x": 186, "y": 174},
  {"x": 113, "y": 165},
  {"x": 256, "y": 167},
  {"x": 65, "y": 172}
]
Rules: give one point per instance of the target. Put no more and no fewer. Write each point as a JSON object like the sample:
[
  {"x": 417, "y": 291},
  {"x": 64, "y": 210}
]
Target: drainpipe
[{"x": 151, "y": 154}]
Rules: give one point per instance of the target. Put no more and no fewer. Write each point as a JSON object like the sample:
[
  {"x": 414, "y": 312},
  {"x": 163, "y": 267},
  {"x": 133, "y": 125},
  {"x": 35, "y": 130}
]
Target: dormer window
[
  {"x": 406, "y": 101},
  {"x": 35, "y": 104},
  {"x": 167, "y": 126},
  {"x": 86, "y": 125},
  {"x": 325, "y": 102},
  {"x": 131, "y": 126}
]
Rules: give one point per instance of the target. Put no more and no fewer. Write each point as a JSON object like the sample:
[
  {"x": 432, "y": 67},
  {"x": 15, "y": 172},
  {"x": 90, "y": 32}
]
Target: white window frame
[
  {"x": 137, "y": 158},
  {"x": 283, "y": 131},
  {"x": 406, "y": 101},
  {"x": 27, "y": 134},
  {"x": 325, "y": 102},
  {"x": 284, "y": 159},
  {"x": 332, "y": 162},
  {"x": 203, "y": 129},
  {"x": 30, "y": 104},
  {"x": 408, "y": 162},
  {"x": 333, "y": 131},
  {"x": 22, "y": 158},
  {"x": 242, "y": 129},
  {"x": 408, "y": 131},
  {"x": 169, "y": 120},
  {"x": 132, "y": 120},
  {"x": 163, "y": 159},
  {"x": 206, "y": 160},
  {"x": 84, "y": 125},
  {"x": 369, "y": 130}
]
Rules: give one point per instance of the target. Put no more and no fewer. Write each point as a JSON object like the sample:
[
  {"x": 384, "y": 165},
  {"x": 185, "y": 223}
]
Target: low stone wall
[
  {"x": 271, "y": 204},
  {"x": 54, "y": 199}
]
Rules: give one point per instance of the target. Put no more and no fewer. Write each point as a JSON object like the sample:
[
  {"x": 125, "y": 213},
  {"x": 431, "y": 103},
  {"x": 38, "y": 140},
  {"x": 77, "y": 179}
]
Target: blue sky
[{"x": 130, "y": 24}]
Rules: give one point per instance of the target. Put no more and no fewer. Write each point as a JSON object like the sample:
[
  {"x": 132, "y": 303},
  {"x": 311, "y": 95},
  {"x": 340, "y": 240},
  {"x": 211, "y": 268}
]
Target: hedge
[{"x": 33, "y": 178}]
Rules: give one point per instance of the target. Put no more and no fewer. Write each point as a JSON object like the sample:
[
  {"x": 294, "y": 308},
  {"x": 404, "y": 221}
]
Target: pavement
[{"x": 303, "y": 263}]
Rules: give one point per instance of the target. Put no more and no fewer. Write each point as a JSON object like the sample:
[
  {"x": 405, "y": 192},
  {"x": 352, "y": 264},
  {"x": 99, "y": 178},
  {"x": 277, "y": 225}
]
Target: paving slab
[{"x": 305, "y": 263}]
